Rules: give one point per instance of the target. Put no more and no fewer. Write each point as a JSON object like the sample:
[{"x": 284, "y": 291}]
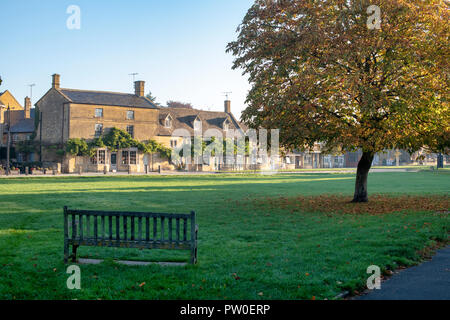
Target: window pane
[
  {"x": 132, "y": 157},
  {"x": 130, "y": 130},
  {"x": 98, "y": 129},
  {"x": 99, "y": 113},
  {"x": 101, "y": 157},
  {"x": 130, "y": 115},
  {"x": 124, "y": 157}
]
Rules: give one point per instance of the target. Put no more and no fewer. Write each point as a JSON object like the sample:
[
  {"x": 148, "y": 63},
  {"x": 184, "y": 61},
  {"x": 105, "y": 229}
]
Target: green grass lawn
[{"x": 245, "y": 251}]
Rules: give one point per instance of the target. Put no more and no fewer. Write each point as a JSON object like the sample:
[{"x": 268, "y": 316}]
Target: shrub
[{"x": 77, "y": 147}]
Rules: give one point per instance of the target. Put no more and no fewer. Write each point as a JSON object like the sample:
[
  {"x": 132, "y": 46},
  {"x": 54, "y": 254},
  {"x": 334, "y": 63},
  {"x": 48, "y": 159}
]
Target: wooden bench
[{"x": 142, "y": 230}]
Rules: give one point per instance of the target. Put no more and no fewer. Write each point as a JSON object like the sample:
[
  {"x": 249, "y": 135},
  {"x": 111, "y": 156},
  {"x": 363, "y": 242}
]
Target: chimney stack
[
  {"x": 56, "y": 78},
  {"x": 227, "y": 106},
  {"x": 27, "y": 109},
  {"x": 139, "y": 87}
]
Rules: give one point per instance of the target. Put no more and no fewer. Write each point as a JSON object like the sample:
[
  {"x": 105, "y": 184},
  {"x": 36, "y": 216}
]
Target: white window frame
[
  {"x": 132, "y": 126},
  {"x": 95, "y": 130},
  {"x": 130, "y": 112},
  {"x": 128, "y": 151},
  {"x": 226, "y": 125},
  {"x": 101, "y": 110},
  {"x": 97, "y": 156}
]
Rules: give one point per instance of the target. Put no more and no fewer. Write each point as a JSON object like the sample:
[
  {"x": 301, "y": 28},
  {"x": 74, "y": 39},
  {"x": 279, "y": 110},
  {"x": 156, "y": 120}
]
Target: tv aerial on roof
[
  {"x": 31, "y": 90},
  {"x": 227, "y": 94},
  {"x": 133, "y": 75}
]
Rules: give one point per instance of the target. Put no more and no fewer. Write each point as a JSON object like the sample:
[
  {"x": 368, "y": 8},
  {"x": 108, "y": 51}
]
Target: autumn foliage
[
  {"x": 378, "y": 205},
  {"x": 319, "y": 73}
]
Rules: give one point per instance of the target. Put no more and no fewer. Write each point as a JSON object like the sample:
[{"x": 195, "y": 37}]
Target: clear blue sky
[{"x": 176, "y": 46}]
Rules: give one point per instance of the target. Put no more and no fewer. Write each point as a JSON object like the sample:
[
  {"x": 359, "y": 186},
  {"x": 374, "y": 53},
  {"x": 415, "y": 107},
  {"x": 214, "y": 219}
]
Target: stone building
[
  {"x": 22, "y": 122},
  {"x": 7, "y": 100},
  {"x": 190, "y": 122},
  {"x": 85, "y": 114}
]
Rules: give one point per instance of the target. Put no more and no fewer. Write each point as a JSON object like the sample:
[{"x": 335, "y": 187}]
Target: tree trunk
[{"x": 361, "y": 178}]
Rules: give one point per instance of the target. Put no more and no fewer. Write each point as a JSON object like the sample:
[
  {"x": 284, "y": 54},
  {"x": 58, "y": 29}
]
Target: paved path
[{"x": 427, "y": 281}]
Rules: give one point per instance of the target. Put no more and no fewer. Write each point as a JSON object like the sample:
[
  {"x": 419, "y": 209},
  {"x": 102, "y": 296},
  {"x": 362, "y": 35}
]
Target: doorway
[{"x": 113, "y": 161}]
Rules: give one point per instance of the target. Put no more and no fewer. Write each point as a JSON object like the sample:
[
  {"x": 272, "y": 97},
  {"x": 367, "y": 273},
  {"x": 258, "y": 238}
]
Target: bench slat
[
  {"x": 80, "y": 222},
  {"x": 128, "y": 214},
  {"x": 125, "y": 228},
  {"x": 178, "y": 230},
  {"x": 110, "y": 228},
  {"x": 140, "y": 229},
  {"x": 147, "y": 229},
  {"x": 132, "y": 228},
  {"x": 95, "y": 228},
  {"x": 74, "y": 228},
  {"x": 88, "y": 226},
  {"x": 170, "y": 229},
  {"x": 118, "y": 228},
  {"x": 103, "y": 228}
]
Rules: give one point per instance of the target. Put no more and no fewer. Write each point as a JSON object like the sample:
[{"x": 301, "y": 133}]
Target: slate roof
[
  {"x": 107, "y": 98},
  {"x": 183, "y": 118},
  {"x": 24, "y": 125}
]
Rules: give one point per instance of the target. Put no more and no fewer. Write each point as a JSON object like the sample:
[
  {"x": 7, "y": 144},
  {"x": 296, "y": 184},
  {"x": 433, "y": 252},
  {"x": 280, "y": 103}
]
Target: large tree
[
  {"x": 178, "y": 104},
  {"x": 347, "y": 74}
]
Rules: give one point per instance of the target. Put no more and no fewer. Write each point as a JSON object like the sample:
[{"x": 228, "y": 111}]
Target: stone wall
[
  {"x": 83, "y": 121},
  {"x": 54, "y": 124}
]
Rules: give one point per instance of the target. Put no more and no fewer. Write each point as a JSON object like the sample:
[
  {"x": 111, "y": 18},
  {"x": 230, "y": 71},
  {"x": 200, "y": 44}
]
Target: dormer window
[
  {"x": 168, "y": 122},
  {"x": 197, "y": 124},
  {"x": 225, "y": 125}
]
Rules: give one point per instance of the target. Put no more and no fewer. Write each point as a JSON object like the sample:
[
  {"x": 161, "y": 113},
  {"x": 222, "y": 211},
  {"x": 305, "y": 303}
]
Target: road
[{"x": 427, "y": 281}]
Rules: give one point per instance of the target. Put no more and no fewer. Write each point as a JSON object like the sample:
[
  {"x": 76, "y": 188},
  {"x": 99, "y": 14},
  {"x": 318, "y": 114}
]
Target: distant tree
[
  {"x": 150, "y": 97},
  {"x": 177, "y": 104},
  {"x": 26, "y": 147},
  {"x": 328, "y": 72}
]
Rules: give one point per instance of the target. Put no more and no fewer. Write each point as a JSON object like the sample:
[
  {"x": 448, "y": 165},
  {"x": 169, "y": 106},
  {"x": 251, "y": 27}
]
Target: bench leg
[
  {"x": 193, "y": 256},
  {"x": 66, "y": 252},
  {"x": 74, "y": 253},
  {"x": 194, "y": 248}
]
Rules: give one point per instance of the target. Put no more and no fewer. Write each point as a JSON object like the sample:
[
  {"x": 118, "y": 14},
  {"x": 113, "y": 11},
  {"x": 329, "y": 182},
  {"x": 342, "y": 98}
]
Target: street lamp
[{"x": 8, "y": 126}]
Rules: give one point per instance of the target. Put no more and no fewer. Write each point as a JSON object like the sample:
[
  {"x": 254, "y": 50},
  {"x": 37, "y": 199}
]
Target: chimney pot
[
  {"x": 56, "y": 81},
  {"x": 227, "y": 106},
  {"x": 139, "y": 87},
  {"x": 27, "y": 108}
]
